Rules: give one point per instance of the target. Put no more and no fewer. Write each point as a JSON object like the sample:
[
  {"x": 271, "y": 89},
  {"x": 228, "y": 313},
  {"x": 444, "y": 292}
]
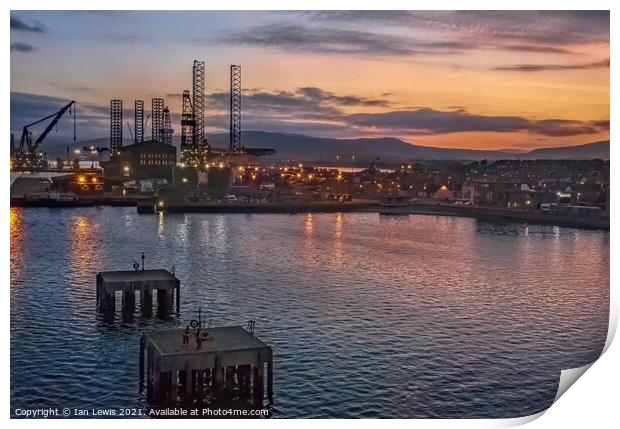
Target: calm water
[{"x": 369, "y": 316}]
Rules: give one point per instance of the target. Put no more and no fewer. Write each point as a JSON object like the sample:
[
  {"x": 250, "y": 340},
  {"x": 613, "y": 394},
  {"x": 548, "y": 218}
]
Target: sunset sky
[{"x": 489, "y": 80}]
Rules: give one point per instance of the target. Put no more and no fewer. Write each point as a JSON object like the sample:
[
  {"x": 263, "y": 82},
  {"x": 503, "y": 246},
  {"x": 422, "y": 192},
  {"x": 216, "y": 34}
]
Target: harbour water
[{"x": 368, "y": 315}]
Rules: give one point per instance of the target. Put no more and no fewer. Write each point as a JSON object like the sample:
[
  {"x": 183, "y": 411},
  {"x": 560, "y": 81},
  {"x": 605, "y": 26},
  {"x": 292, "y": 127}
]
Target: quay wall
[
  {"x": 148, "y": 205},
  {"x": 498, "y": 213}
]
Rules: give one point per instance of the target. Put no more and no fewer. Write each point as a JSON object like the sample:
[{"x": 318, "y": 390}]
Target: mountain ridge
[{"x": 306, "y": 148}]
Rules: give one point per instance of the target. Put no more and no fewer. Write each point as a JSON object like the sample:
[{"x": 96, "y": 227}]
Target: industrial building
[
  {"x": 157, "y": 158},
  {"x": 147, "y": 160}
]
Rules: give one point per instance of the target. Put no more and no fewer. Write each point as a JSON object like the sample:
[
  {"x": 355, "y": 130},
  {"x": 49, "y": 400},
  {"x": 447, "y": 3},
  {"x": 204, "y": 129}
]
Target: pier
[
  {"x": 270, "y": 208},
  {"x": 227, "y": 366},
  {"x": 129, "y": 282}
]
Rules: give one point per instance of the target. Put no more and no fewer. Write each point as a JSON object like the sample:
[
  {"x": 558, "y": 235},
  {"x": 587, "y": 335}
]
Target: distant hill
[
  {"x": 389, "y": 150},
  {"x": 584, "y": 151},
  {"x": 307, "y": 148},
  {"x": 513, "y": 150}
]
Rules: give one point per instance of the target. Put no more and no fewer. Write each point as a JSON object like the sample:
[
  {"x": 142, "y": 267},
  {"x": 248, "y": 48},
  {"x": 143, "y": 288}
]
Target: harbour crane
[
  {"x": 27, "y": 157},
  {"x": 133, "y": 137}
]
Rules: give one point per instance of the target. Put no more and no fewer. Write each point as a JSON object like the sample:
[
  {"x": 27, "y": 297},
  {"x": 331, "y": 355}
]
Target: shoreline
[
  {"x": 147, "y": 206},
  {"x": 501, "y": 214}
]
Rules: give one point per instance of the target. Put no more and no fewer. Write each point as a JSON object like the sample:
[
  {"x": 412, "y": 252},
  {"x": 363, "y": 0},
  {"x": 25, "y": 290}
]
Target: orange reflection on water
[
  {"x": 308, "y": 244},
  {"x": 339, "y": 225},
  {"x": 83, "y": 251},
  {"x": 17, "y": 241},
  {"x": 338, "y": 242},
  {"x": 15, "y": 217},
  {"x": 308, "y": 224}
]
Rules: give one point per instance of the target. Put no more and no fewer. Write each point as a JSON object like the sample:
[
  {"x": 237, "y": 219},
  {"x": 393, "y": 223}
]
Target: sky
[{"x": 467, "y": 79}]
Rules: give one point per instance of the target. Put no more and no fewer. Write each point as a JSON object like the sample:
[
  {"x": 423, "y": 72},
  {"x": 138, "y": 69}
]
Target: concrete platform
[
  {"x": 229, "y": 362},
  {"x": 119, "y": 278},
  {"x": 144, "y": 281},
  {"x": 220, "y": 340}
]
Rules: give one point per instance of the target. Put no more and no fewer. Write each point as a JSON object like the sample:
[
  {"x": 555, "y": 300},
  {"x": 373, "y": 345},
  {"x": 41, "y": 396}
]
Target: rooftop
[
  {"x": 149, "y": 145},
  {"x": 135, "y": 276},
  {"x": 221, "y": 339}
]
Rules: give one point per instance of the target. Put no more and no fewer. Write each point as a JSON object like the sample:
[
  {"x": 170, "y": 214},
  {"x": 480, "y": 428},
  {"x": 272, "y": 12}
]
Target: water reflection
[
  {"x": 348, "y": 300},
  {"x": 308, "y": 241},
  {"x": 160, "y": 224},
  {"x": 338, "y": 239},
  {"x": 16, "y": 242},
  {"x": 82, "y": 236},
  {"x": 221, "y": 232},
  {"x": 308, "y": 224}
]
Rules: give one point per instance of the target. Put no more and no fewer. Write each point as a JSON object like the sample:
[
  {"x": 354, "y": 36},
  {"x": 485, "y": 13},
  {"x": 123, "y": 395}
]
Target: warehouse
[{"x": 146, "y": 160}]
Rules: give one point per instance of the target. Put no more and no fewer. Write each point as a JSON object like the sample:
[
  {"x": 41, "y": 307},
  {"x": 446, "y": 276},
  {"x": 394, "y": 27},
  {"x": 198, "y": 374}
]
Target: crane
[
  {"x": 133, "y": 138},
  {"x": 26, "y": 156}
]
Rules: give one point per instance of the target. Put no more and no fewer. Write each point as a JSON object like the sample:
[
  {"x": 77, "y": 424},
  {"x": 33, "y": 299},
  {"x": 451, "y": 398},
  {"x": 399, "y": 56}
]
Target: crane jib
[{"x": 27, "y": 135}]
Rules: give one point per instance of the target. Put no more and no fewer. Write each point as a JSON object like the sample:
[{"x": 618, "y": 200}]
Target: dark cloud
[
  {"x": 282, "y": 104},
  {"x": 563, "y": 128},
  {"x": 544, "y": 32},
  {"x": 19, "y": 25},
  {"x": 427, "y": 121},
  {"x": 310, "y": 111},
  {"x": 517, "y": 27},
  {"x": 309, "y": 103},
  {"x": 73, "y": 88},
  {"x": 396, "y": 33},
  {"x": 22, "y": 47},
  {"x": 553, "y": 67},
  {"x": 297, "y": 38},
  {"x": 80, "y": 88},
  {"x": 266, "y": 122},
  {"x": 601, "y": 124},
  {"x": 319, "y": 95},
  {"x": 126, "y": 38},
  {"x": 92, "y": 120},
  {"x": 540, "y": 49},
  {"x": 318, "y": 109}
]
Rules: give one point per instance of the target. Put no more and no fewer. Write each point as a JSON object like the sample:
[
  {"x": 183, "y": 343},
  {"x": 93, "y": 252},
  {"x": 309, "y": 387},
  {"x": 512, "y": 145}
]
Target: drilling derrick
[
  {"x": 235, "y": 108},
  {"x": 166, "y": 131},
  {"x": 139, "y": 121},
  {"x": 194, "y": 147},
  {"x": 116, "y": 126},
  {"x": 157, "y": 111},
  {"x": 187, "y": 122},
  {"x": 198, "y": 102}
]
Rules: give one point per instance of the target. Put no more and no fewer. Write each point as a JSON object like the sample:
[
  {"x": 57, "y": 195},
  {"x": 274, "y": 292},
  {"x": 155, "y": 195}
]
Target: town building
[{"x": 146, "y": 160}]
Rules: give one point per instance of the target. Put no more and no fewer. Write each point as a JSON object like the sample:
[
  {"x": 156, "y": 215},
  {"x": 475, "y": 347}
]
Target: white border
[{"x": 592, "y": 402}]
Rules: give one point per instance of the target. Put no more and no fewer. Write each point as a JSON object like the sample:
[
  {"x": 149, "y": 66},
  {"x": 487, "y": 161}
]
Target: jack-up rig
[
  {"x": 27, "y": 156},
  {"x": 235, "y": 148},
  {"x": 194, "y": 147},
  {"x": 195, "y": 150}
]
